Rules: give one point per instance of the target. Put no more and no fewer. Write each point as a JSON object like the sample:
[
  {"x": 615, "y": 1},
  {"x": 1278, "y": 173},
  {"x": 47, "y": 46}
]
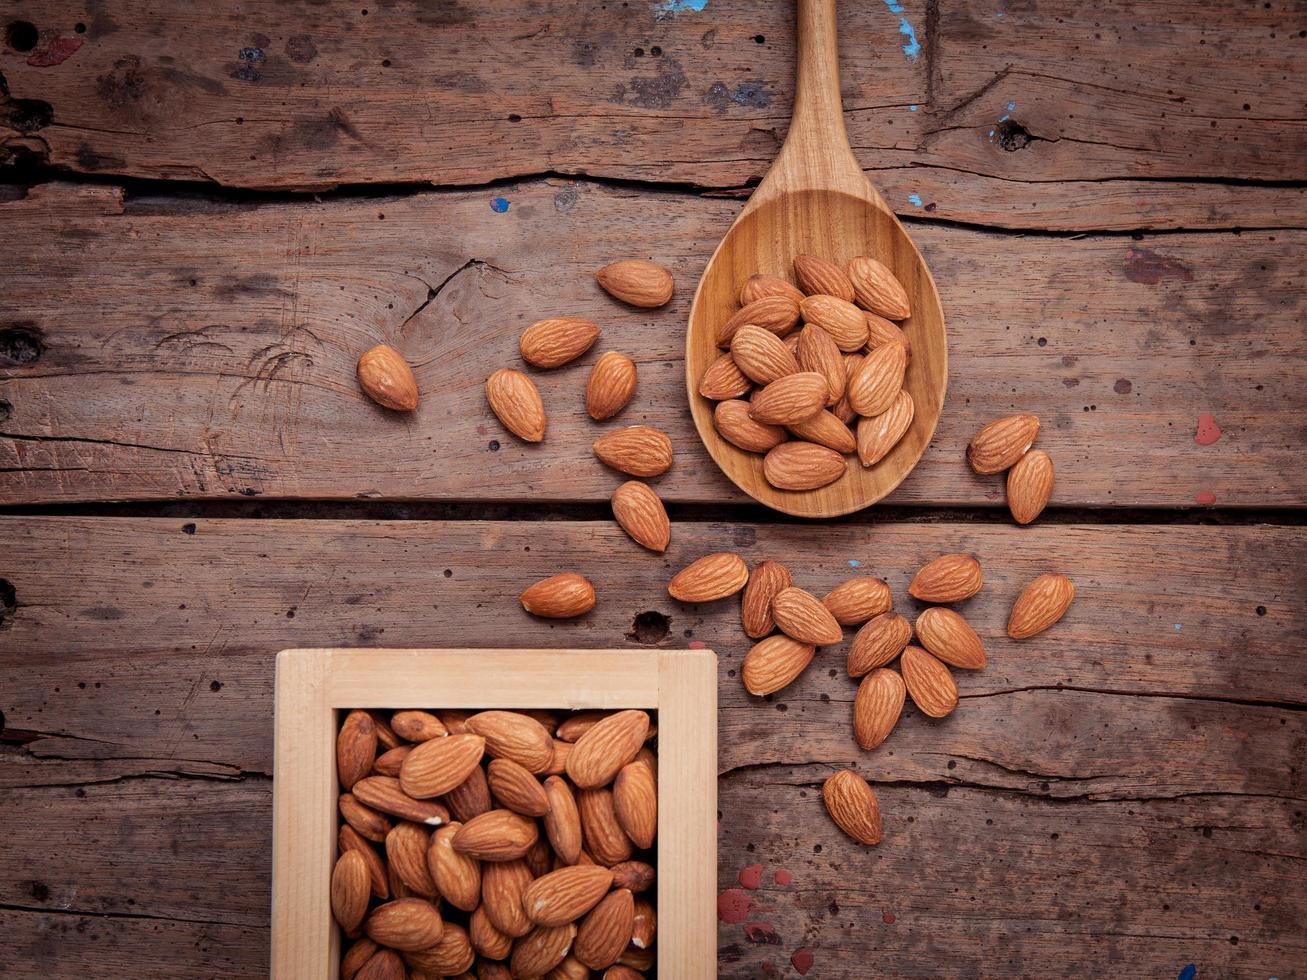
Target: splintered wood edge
[{"x": 314, "y": 685}]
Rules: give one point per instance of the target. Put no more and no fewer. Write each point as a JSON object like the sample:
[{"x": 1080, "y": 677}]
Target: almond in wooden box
[{"x": 436, "y": 807}]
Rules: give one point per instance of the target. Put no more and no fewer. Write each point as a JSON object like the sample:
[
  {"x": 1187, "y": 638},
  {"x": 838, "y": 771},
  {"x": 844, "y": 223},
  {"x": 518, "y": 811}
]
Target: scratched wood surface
[
  {"x": 1153, "y": 740},
  {"x": 161, "y": 347}
]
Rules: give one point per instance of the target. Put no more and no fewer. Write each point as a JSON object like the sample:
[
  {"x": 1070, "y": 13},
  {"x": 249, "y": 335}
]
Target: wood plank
[
  {"x": 1121, "y": 96},
  {"x": 207, "y": 349}
]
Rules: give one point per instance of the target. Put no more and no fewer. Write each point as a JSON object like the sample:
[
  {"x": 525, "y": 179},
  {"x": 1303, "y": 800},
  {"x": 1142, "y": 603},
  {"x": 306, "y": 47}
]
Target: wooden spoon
[{"x": 816, "y": 200}]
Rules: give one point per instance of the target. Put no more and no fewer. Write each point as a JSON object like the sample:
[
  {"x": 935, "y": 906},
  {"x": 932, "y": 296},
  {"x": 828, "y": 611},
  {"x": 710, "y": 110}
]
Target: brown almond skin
[
  {"x": 366, "y": 821},
  {"x": 1001, "y": 443},
  {"x": 802, "y": 466},
  {"x": 566, "y": 894},
  {"x": 852, "y": 804},
  {"x": 611, "y": 385},
  {"x": 417, "y": 726},
  {"x": 604, "y": 837},
  {"x": 604, "y": 749},
  {"x": 732, "y": 421},
  {"x": 1029, "y": 486},
  {"x": 406, "y": 854},
  {"x": 877, "y": 707},
  {"x": 356, "y": 748},
  {"x": 500, "y": 835},
  {"x": 1041, "y": 603},
  {"x": 503, "y": 883},
  {"x": 435, "y": 767},
  {"x": 606, "y": 931},
  {"x": 802, "y": 617},
  {"x": 761, "y": 355},
  {"x": 457, "y": 877},
  {"x": 635, "y": 875},
  {"x": 641, "y": 514},
  {"x": 878, "y": 381},
  {"x": 877, "y": 289},
  {"x": 846, "y": 324},
  {"x": 723, "y": 379},
  {"x": 790, "y": 399},
  {"x": 388, "y": 762},
  {"x": 384, "y": 964},
  {"x": 540, "y": 950},
  {"x": 638, "y": 282},
  {"x": 756, "y": 287},
  {"x": 559, "y": 597},
  {"x": 879, "y": 641},
  {"x": 817, "y": 276},
  {"x": 555, "y": 340},
  {"x": 516, "y": 402},
  {"x": 948, "y": 578},
  {"x": 842, "y": 410},
  {"x": 350, "y": 890},
  {"x": 472, "y": 797},
  {"x": 635, "y": 798},
  {"x": 818, "y": 352},
  {"x": 881, "y": 331},
  {"x": 352, "y": 962},
  {"x": 562, "y": 822},
  {"x": 710, "y": 578},
  {"x": 773, "y": 663},
  {"x": 857, "y": 600},
  {"x": 486, "y": 939},
  {"x": 514, "y": 735},
  {"x": 929, "y": 682},
  {"x": 825, "y": 429},
  {"x": 878, "y": 434},
  {"x": 449, "y": 957},
  {"x": 639, "y": 450},
  {"x": 516, "y": 788},
  {"x": 387, "y": 795},
  {"x": 405, "y": 924},
  {"x": 387, "y": 379},
  {"x": 778, "y": 314},
  {"x": 347, "y": 839},
  {"x": 950, "y": 638},
  {"x": 767, "y": 580}
]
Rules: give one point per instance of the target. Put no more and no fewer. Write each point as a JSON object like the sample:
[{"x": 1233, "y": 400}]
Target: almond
[
  {"x": 457, "y": 877},
  {"x": 817, "y": 276},
  {"x": 486, "y": 939},
  {"x": 604, "y": 837},
  {"x": 406, "y": 852},
  {"x": 876, "y": 289},
  {"x": 858, "y": 600},
  {"x": 709, "y": 578},
  {"x": 450, "y": 956},
  {"x": 347, "y": 839},
  {"x": 845, "y": 323},
  {"x": 540, "y": 859},
  {"x": 566, "y": 894},
  {"x": 516, "y": 789},
  {"x": 802, "y": 466},
  {"x": 611, "y": 385},
  {"x": 760, "y": 286},
  {"x": 642, "y": 515},
  {"x": 601, "y": 752},
  {"x": 843, "y": 410},
  {"x": 388, "y": 763},
  {"x": 417, "y": 726},
  {"x": 723, "y": 379},
  {"x": 1041, "y": 604},
  {"x": 384, "y": 964},
  {"x": 1001, "y": 443},
  {"x": 948, "y": 578},
  {"x": 499, "y": 835},
  {"x": 635, "y": 798},
  {"x": 767, "y": 580},
  {"x": 790, "y": 399},
  {"x": 877, "y": 707},
  {"x": 562, "y": 822},
  {"x": 773, "y": 663},
  {"x": 878, "y": 642},
  {"x": 362, "y": 951},
  {"x": 762, "y": 356},
  {"x": 635, "y": 875},
  {"x": 386, "y": 794},
  {"x": 638, "y": 282},
  {"x": 1029, "y": 485},
  {"x": 387, "y": 379},
  {"x": 622, "y": 972},
  {"x": 605, "y": 932},
  {"x": 881, "y": 331},
  {"x": 503, "y": 883},
  {"x": 852, "y": 804},
  {"x": 559, "y": 597},
  {"x": 554, "y": 341},
  {"x": 644, "y": 925},
  {"x": 802, "y": 617},
  {"x": 735, "y": 426},
  {"x": 578, "y": 723},
  {"x": 515, "y": 400},
  {"x": 356, "y": 748},
  {"x": 817, "y": 352},
  {"x": 350, "y": 890},
  {"x": 950, "y": 638},
  {"x": 777, "y": 314},
  {"x": 542, "y": 949},
  {"x": 386, "y": 738},
  {"x": 929, "y": 682},
  {"x": 824, "y": 429},
  {"x": 455, "y": 719},
  {"x": 639, "y": 450},
  {"x": 404, "y": 924},
  {"x": 880, "y": 376},
  {"x": 558, "y": 764},
  {"x": 471, "y": 798},
  {"x": 365, "y": 820},
  {"x": 434, "y": 768},
  {"x": 879, "y": 434},
  {"x": 513, "y": 735},
  {"x": 791, "y": 340}
]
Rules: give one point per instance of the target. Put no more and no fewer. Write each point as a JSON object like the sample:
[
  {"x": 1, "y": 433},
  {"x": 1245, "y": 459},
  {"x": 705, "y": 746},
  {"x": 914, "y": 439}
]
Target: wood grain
[
  {"x": 1122, "y": 116},
  {"x": 206, "y": 348}
]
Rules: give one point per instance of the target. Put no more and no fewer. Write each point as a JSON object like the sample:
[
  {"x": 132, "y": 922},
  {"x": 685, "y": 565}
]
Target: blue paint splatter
[
  {"x": 1188, "y": 973},
  {"x": 499, "y": 205},
  {"x": 998, "y": 13},
  {"x": 912, "y": 48},
  {"x": 912, "y": 108},
  {"x": 1177, "y": 627},
  {"x": 914, "y": 199},
  {"x": 854, "y": 563},
  {"x": 669, "y": 7},
  {"x": 1011, "y": 106}
]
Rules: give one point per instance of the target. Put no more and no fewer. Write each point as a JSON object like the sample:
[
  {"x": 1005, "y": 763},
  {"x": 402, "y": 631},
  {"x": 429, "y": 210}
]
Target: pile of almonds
[
  {"x": 804, "y": 364},
  {"x": 512, "y": 844}
]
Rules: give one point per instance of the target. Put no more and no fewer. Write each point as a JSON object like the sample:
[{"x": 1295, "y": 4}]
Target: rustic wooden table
[{"x": 209, "y": 210}]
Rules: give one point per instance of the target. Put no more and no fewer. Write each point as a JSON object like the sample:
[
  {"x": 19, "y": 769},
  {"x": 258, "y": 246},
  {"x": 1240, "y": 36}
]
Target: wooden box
[{"x": 315, "y": 686}]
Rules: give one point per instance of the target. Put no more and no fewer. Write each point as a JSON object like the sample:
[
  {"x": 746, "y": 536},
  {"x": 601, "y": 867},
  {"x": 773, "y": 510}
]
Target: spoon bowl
[{"x": 816, "y": 200}]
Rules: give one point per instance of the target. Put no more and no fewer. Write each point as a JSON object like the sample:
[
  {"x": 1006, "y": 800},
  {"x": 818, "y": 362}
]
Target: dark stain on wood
[
  {"x": 301, "y": 49},
  {"x": 21, "y": 343},
  {"x": 1150, "y": 268}
]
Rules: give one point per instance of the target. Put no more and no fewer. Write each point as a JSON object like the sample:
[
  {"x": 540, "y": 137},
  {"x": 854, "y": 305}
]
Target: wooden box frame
[{"x": 315, "y": 685}]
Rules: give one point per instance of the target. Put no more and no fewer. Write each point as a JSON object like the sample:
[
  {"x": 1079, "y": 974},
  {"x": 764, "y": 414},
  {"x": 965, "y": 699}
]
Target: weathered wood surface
[
  {"x": 1144, "y": 782},
  {"x": 1055, "y": 115},
  {"x": 157, "y": 347}
]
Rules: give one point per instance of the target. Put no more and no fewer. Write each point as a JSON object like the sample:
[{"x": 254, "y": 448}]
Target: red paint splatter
[
  {"x": 733, "y": 905},
  {"x": 802, "y": 960},
  {"x": 889, "y": 918},
  {"x": 1208, "y": 431},
  {"x": 783, "y": 877},
  {"x": 1146, "y": 266},
  {"x": 481, "y": 430},
  {"x": 696, "y": 645},
  {"x": 761, "y": 933},
  {"x": 751, "y": 877},
  {"x": 1205, "y": 497},
  {"x": 59, "y": 51}
]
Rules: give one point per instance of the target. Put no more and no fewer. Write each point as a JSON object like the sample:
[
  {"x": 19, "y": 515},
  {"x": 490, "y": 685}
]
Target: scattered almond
[
  {"x": 879, "y": 641},
  {"x": 948, "y": 578},
  {"x": 767, "y": 580},
  {"x": 559, "y": 596},
  {"x": 1029, "y": 485},
  {"x": 554, "y": 341},
  {"x": 802, "y": 617},
  {"x": 611, "y": 385},
  {"x": 638, "y": 282},
  {"x": 773, "y": 663},
  {"x": 516, "y": 402},
  {"x": 852, "y": 804},
  {"x": 641, "y": 515},
  {"x": 639, "y": 450},
  {"x": 857, "y": 600},
  {"x": 709, "y": 578},
  {"x": 950, "y": 638},
  {"x": 929, "y": 682},
  {"x": 1001, "y": 443},
  {"x": 387, "y": 379},
  {"x": 1041, "y": 603},
  {"x": 877, "y": 706}
]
